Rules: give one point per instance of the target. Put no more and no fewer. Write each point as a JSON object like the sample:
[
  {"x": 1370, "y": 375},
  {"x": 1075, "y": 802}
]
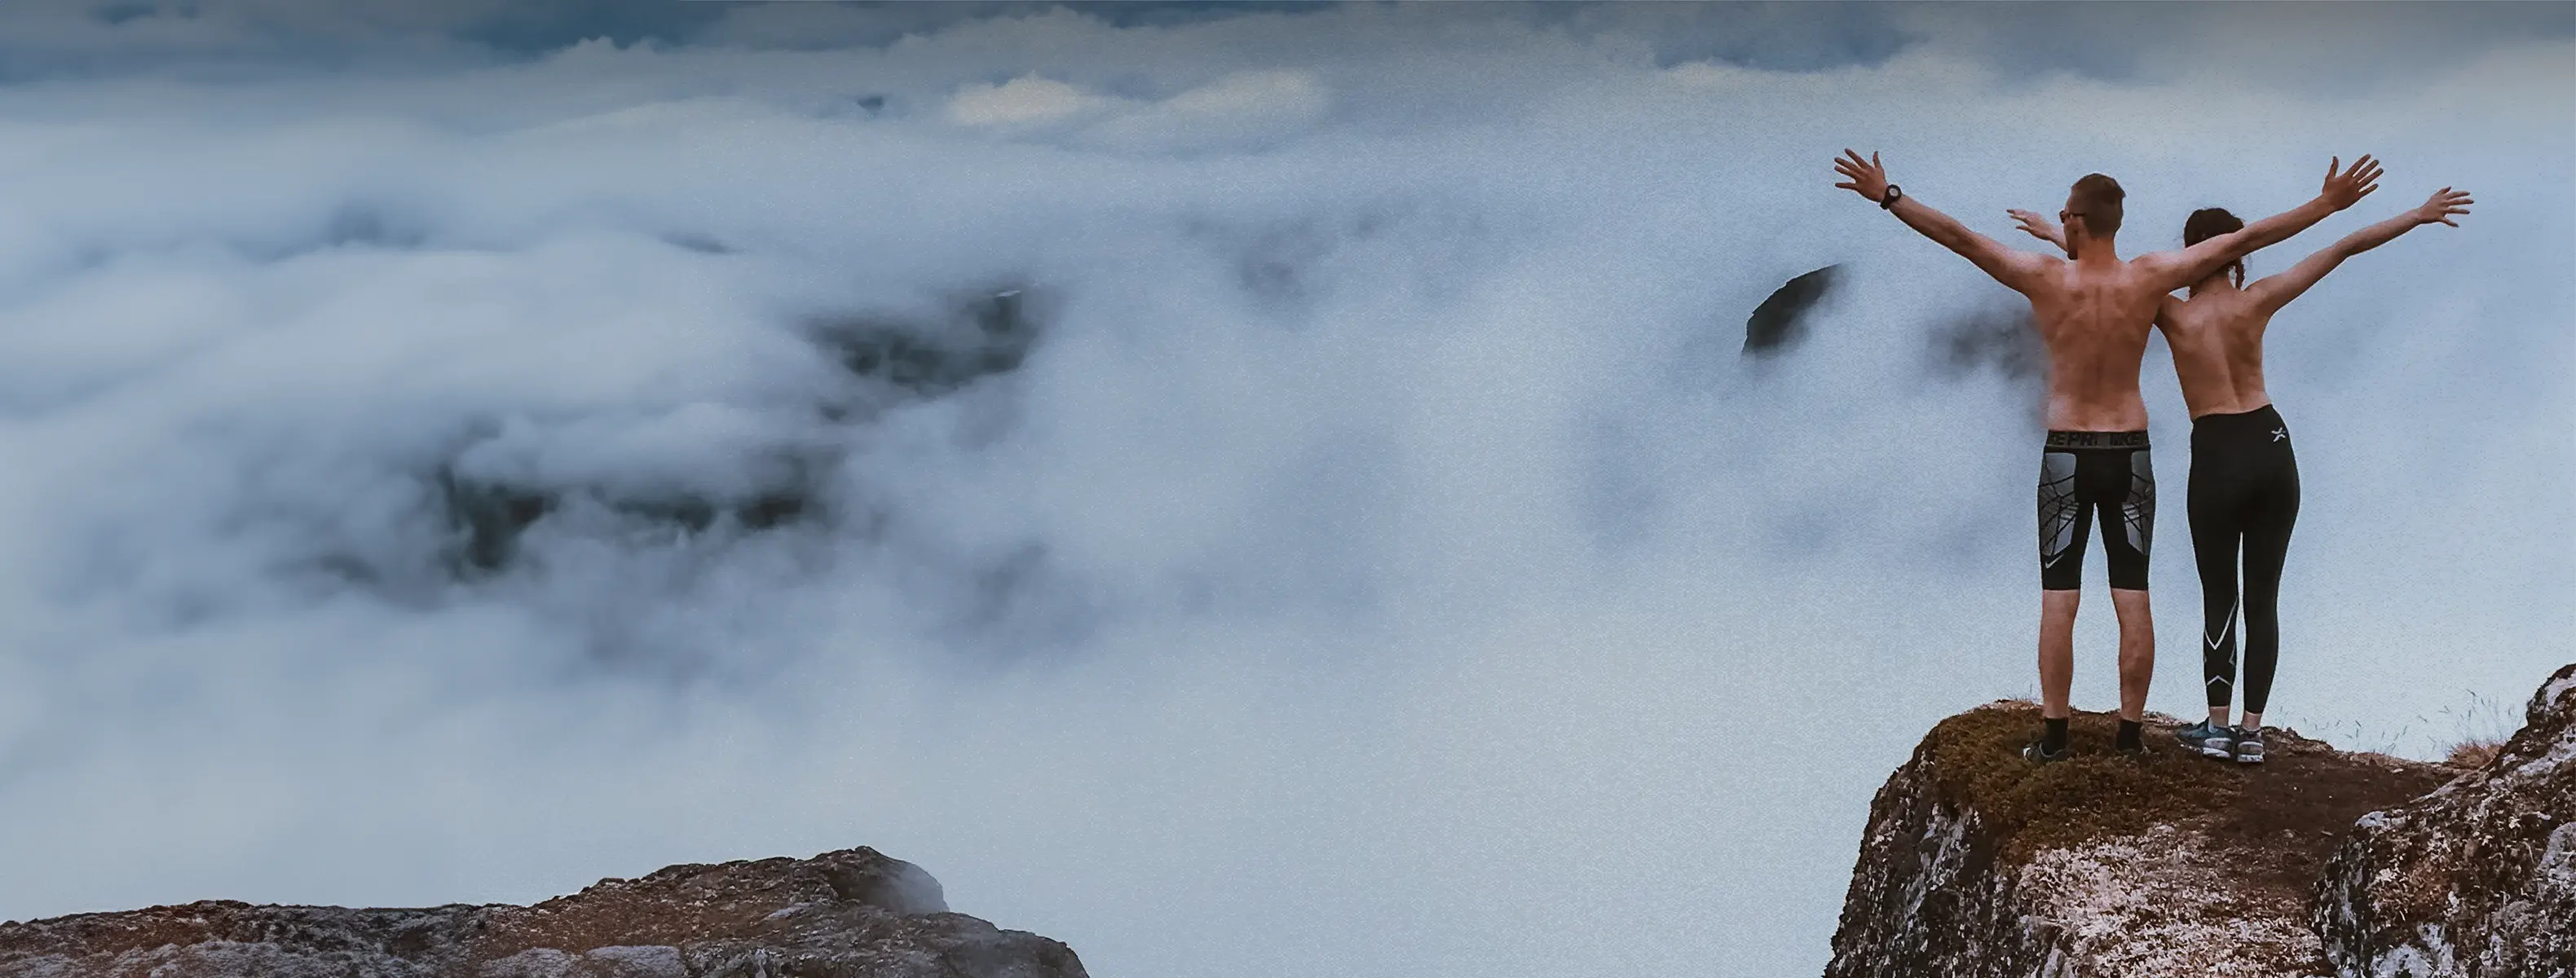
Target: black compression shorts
[{"x": 2085, "y": 472}]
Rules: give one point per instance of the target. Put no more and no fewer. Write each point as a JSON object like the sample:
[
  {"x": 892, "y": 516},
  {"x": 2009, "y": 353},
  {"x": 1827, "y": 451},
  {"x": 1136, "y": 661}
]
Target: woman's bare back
[{"x": 2217, "y": 342}]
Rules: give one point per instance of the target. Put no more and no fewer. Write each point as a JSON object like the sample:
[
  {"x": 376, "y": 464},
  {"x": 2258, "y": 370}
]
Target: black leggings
[{"x": 2243, "y": 492}]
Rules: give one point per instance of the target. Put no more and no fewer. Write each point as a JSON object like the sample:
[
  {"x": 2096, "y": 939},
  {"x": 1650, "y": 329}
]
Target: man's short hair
[{"x": 2097, "y": 198}]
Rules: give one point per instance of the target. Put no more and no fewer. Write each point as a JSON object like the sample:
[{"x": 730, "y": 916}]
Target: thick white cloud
[
  {"x": 1244, "y": 110},
  {"x": 1380, "y": 561},
  {"x": 1024, "y": 99}
]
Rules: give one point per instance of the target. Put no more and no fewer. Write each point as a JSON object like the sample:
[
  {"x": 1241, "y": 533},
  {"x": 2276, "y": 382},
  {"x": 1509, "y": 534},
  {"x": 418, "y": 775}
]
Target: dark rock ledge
[{"x": 855, "y": 913}]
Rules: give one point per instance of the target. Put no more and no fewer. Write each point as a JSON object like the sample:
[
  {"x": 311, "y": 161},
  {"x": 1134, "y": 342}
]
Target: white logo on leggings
[{"x": 2224, "y": 630}]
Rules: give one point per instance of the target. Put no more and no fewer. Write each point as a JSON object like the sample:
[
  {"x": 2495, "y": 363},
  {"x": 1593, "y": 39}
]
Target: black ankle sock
[
  {"x": 2131, "y": 735},
  {"x": 2055, "y": 739}
]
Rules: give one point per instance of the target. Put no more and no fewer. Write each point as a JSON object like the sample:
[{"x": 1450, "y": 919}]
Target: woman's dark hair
[{"x": 2210, "y": 222}]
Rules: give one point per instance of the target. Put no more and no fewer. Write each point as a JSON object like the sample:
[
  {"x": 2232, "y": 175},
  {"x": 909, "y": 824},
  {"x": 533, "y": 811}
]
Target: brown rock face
[
  {"x": 1979, "y": 864},
  {"x": 849, "y": 914},
  {"x": 2477, "y": 880}
]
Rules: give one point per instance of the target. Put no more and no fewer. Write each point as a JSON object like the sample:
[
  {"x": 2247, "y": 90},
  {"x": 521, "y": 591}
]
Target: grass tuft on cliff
[{"x": 2470, "y": 755}]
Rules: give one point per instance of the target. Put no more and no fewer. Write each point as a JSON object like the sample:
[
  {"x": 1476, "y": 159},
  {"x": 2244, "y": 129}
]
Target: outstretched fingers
[
  {"x": 2037, "y": 226},
  {"x": 2346, "y": 185},
  {"x": 2362, "y": 170},
  {"x": 2453, "y": 202},
  {"x": 1863, "y": 176}
]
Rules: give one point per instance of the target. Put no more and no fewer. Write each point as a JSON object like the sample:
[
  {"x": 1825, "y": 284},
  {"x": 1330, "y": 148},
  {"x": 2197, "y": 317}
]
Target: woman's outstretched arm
[{"x": 2276, "y": 291}]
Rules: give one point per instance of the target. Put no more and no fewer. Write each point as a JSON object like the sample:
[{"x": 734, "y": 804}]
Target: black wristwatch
[{"x": 1887, "y": 201}]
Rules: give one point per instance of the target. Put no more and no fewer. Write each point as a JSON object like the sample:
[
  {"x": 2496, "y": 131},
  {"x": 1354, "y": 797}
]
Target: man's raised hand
[
  {"x": 2445, "y": 202},
  {"x": 1863, "y": 177},
  {"x": 2039, "y": 227},
  {"x": 2350, "y": 186}
]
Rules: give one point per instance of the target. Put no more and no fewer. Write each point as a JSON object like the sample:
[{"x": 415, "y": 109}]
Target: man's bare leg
[
  {"x": 2056, "y": 673},
  {"x": 2137, "y": 651},
  {"x": 2057, "y": 652}
]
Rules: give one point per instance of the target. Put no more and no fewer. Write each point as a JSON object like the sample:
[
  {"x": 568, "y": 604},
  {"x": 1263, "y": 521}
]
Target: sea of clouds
[{"x": 1379, "y": 562}]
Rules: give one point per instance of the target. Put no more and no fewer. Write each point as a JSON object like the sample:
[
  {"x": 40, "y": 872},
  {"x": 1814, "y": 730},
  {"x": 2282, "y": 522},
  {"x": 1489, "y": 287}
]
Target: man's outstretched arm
[
  {"x": 2015, "y": 269},
  {"x": 2343, "y": 187},
  {"x": 2276, "y": 291}
]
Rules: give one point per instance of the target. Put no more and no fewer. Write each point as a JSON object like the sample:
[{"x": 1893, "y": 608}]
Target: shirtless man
[
  {"x": 2244, "y": 483},
  {"x": 2093, "y": 311}
]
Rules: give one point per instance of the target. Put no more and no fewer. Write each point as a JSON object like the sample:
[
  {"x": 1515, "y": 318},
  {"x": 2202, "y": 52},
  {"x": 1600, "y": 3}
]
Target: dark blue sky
[{"x": 2104, "y": 40}]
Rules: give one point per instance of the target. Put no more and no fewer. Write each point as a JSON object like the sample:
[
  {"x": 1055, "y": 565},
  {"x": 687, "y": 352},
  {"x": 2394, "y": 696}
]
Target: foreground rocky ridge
[
  {"x": 2320, "y": 862},
  {"x": 2476, "y": 880},
  {"x": 855, "y": 913},
  {"x": 1977, "y": 863}
]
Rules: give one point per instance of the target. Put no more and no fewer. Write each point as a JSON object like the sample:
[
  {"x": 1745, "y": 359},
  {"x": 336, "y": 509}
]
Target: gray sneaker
[
  {"x": 2210, "y": 739},
  {"x": 2249, "y": 746},
  {"x": 2037, "y": 752}
]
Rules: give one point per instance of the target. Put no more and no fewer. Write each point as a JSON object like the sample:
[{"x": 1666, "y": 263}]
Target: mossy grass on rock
[
  {"x": 1976, "y": 757},
  {"x": 1977, "y": 862}
]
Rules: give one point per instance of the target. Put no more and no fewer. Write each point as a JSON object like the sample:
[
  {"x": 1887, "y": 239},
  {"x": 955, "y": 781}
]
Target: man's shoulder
[
  {"x": 2156, "y": 262},
  {"x": 2153, "y": 271},
  {"x": 2039, "y": 262},
  {"x": 2027, "y": 272}
]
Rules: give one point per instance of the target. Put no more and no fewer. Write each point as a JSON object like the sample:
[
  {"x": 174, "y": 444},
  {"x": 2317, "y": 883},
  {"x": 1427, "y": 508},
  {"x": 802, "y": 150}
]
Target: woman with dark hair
[{"x": 2243, "y": 491}]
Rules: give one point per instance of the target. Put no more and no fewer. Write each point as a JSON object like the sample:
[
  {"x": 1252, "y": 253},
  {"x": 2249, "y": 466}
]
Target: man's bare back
[{"x": 2094, "y": 318}]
